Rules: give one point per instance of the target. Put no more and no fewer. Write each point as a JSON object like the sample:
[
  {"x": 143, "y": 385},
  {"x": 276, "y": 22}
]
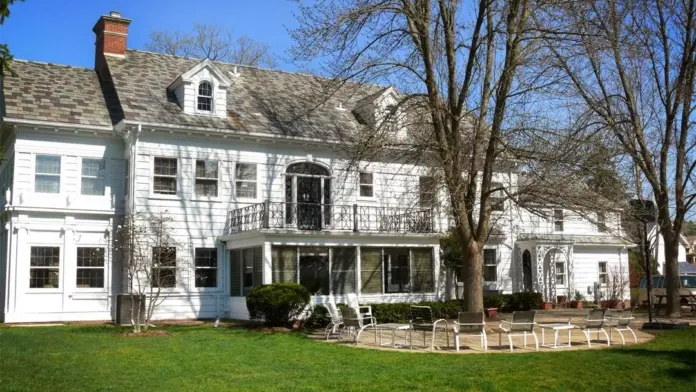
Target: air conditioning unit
[{"x": 123, "y": 308}]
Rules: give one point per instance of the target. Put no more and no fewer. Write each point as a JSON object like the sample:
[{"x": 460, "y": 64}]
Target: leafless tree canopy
[
  {"x": 213, "y": 42},
  {"x": 472, "y": 75}
]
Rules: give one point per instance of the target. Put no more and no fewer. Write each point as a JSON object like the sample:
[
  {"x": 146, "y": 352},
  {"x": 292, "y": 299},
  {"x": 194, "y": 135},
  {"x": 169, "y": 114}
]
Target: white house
[
  {"x": 657, "y": 246},
  {"x": 254, "y": 184}
]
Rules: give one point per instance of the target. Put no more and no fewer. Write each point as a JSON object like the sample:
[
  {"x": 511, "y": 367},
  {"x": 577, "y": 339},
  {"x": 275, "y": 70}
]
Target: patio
[{"x": 471, "y": 344}]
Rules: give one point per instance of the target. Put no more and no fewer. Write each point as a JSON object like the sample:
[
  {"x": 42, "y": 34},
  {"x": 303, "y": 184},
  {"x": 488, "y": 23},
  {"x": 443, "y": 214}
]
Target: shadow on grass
[{"x": 686, "y": 358}]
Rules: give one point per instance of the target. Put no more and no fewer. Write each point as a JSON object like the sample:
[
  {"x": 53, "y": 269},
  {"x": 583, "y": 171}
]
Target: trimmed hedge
[
  {"x": 514, "y": 301},
  {"x": 277, "y": 304},
  {"x": 319, "y": 318}
]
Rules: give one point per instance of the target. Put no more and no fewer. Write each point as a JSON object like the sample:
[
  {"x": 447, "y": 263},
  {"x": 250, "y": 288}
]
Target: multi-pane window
[
  {"x": 558, "y": 220},
  {"x": 490, "y": 266},
  {"x": 245, "y": 180},
  {"x": 427, "y": 192},
  {"x": 601, "y": 222},
  {"x": 603, "y": 279},
  {"x": 366, "y": 184},
  {"x": 397, "y": 270},
  {"x": 205, "y": 97},
  {"x": 497, "y": 198},
  {"x": 92, "y": 177},
  {"x": 44, "y": 267},
  {"x": 47, "y": 174},
  {"x": 206, "y": 267},
  {"x": 164, "y": 267},
  {"x": 165, "y": 176},
  {"x": 206, "y": 178},
  {"x": 560, "y": 273},
  {"x": 90, "y": 268}
]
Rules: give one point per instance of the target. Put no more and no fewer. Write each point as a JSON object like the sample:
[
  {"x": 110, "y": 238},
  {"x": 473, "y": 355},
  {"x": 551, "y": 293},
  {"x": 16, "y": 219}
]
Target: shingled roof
[
  {"x": 55, "y": 93},
  {"x": 258, "y": 101}
]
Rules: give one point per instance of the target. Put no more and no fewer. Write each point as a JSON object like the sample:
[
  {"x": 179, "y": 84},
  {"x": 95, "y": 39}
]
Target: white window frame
[
  {"x": 605, "y": 273},
  {"x": 564, "y": 275},
  {"x": 495, "y": 196},
  {"x": 105, "y": 268},
  {"x": 361, "y": 184},
  {"x": 255, "y": 181},
  {"x": 602, "y": 223},
  {"x": 176, "y": 268},
  {"x": 212, "y": 97},
  {"x": 60, "y": 269},
  {"x": 495, "y": 264},
  {"x": 103, "y": 176},
  {"x": 153, "y": 194},
  {"x": 59, "y": 175},
  {"x": 216, "y": 268},
  {"x": 217, "y": 179},
  {"x": 556, "y": 220}
]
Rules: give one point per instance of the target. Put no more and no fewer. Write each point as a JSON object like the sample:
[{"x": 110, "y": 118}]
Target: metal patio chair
[
  {"x": 336, "y": 319},
  {"x": 522, "y": 324},
  {"x": 422, "y": 320},
  {"x": 596, "y": 322},
  {"x": 470, "y": 323},
  {"x": 621, "y": 322},
  {"x": 354, "y": 324}
]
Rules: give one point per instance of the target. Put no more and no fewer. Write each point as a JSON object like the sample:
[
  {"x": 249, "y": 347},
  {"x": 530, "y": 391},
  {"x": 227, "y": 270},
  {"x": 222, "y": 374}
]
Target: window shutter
[
  {"x": 422, "y": 267},
  {"x": 343, "y": 270},
  {"x": 371, "y": 270},
  {"x": 236, "y": 273},
  {"x": 257, "y": 277},
  {"x": 284, "y": 264}
]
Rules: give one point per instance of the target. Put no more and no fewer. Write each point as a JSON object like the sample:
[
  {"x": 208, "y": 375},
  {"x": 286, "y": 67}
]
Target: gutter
[{"x": 52, "y": 124}]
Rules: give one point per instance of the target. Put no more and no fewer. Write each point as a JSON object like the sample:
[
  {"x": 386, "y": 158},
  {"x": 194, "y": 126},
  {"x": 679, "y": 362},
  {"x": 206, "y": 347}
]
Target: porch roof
[{"x": 576, "y": 239}]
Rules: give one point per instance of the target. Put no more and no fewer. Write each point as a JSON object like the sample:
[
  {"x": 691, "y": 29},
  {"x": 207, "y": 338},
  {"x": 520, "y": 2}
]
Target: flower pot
[
  {"x": 492, "y": 313},
  {"x": 611, "y": 304},
  {"x": 576, "y": 304},
  {"x": 547, "y": 306}
]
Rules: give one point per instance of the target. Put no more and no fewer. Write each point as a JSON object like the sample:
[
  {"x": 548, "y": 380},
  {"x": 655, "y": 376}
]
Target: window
[
  {"x": 397, "y": 270},
  {"x": 247, "y": 269},
  {"x": 427, "y": 192},
  {"x": 205, "y": 97},
  {"x": 390, "y": 116},
  {"x": 603, "y": 279},
  {"x": 497, "y": 197},
  {"x": 205, "y": 261},
  {"x": 314, "y": 269},
  {"x": 206, "y": 178},
  {"x": 558, "y": 220},
  {"x": 601, "y": 222},
  {"x": 245, "y": 180},
  {"x": 343, "y": 270},
  {"x": 560, "y": 273},
  {"x": 366, "y": 185},
  {"x": 164, "y": 267},
  {"x": 44, "y": 267},
  {"x": 92, "y": 177},
  {"x": 422, "y": 270},
  {"x": 90, "y": 268},
  {"x": 371, "y": 270},
  {"x": 284, "y": 264},
  {"x": 490, "y": 268},
  {"x": 47, "y": 174},
  {"x": 165, "y": 176}
]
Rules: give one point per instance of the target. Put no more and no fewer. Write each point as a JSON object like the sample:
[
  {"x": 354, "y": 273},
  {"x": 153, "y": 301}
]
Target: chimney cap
[{"x": 115, "y": 14}]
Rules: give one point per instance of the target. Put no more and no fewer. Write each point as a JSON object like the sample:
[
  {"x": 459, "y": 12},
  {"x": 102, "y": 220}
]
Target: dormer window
[{"x": 205, "y": 97}]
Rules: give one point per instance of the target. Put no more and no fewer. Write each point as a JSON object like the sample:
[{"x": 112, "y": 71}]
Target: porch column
[
  {"x": 267, "y": 275},
  {"x": 571, "y": 271},
  {"x": 439, "y": 289},
  {"x": 358, "y": 281}
]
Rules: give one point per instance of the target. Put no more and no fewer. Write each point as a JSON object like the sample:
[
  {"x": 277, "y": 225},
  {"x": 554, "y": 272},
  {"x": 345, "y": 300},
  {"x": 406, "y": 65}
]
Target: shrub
[
  {"x": 277, "y": 304},
  {"x": 494, "y": 301},
  {"x": 400, "y": 312},
  {"x": 319, "y": 318},
  {"x": 522, "y": 301}
]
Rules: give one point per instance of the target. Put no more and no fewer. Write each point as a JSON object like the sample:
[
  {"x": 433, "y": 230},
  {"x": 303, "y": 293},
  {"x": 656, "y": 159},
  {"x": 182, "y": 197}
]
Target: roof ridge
[{"x": 54, "y": 64}]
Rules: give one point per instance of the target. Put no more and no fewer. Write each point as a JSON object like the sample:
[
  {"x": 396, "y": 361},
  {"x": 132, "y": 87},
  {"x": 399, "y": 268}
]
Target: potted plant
[
  {"x": 491, "y": 304},
  {"x": 546, "y": 305},
  {"x": 577, "y": 300}
]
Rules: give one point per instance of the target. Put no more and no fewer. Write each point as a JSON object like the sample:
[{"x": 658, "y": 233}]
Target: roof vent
[
  {"x": 339, "y": 106},
  {"x": 235, "y": 72}
]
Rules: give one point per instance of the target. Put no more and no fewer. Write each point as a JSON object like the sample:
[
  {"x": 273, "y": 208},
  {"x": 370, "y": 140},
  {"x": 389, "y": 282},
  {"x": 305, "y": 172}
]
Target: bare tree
[
  {"x": 617, "y": 285},
  {"x": 149, "y": 263},
  {"x": 469, "y": 76},
  {"x": 631, "y": 64},
  {"x": 213, "y": 42}
]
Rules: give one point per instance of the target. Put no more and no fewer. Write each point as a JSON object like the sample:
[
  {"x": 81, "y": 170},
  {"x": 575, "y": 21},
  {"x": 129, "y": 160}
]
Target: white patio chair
[
  {"x": 595, "y": 322},
  {"x": 522, "y": 324},
  {"x": 336, "y": 319},
  {"x": 422, "y": 320},
  {"x": 363, "y": 310},
  {"x": 621, "y": 322},
  {"x": 354, "y": 325},
  {"x": 470, "y": 323}
]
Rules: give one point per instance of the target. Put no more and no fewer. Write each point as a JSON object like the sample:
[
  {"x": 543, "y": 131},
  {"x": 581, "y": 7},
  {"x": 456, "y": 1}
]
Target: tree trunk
[
  {"x": 473, "y": 276},
  {"x": 672, "y": 273}
]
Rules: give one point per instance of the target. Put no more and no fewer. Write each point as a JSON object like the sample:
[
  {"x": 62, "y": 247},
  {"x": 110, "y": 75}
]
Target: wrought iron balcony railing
[{"x": 307, "y": 216}]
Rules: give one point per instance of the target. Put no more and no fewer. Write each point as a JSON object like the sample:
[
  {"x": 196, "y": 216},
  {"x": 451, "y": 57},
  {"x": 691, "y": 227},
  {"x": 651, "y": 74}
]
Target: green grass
[{"x": 205, "y": 358}]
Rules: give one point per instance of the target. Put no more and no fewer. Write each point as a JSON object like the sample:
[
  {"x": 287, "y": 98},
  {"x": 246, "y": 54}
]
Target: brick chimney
[{"x": 111, "y": 34}]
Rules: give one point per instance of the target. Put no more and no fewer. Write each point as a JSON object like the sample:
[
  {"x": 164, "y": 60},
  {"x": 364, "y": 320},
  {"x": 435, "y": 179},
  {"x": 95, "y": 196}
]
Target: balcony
[{"x": 329, "y": 217}]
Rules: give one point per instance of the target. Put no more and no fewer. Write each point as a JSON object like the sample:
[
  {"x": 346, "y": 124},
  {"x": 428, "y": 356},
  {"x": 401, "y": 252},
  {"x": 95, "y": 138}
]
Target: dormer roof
[{"x": 223, "y": 80}]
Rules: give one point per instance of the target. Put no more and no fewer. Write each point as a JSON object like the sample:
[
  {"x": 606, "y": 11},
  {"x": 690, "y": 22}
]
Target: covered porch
[{"x": 546, "y": 266}]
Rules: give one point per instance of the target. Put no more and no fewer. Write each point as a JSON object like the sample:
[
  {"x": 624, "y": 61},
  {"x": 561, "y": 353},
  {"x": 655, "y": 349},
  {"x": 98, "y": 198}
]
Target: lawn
[{"x": 206, "y": 358}]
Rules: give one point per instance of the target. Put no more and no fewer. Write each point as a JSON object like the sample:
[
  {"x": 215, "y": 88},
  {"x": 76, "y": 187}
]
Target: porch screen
[
  {"x": 371, "y": 270},
  {"x": 284, "y": 264},
  {"x": 343, "y": 270},
  {"x": 236, "y": 273},
  {"x": 422, "y": 270}
]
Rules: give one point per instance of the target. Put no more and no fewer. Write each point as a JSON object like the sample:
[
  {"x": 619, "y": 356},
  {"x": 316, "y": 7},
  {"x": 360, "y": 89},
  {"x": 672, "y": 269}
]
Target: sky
[{"x": 60, "y": 31}]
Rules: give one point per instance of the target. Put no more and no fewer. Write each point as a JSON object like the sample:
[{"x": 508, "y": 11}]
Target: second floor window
[
  {"x": 601, "y": 222},
  {"x": 497, "y": 197},
  {"x": 206, "y": 178},
  {"x": 490, "y": 266},
  {"x": 205, "y": 97},
  {"x": 366, "y": 185},
  {"x": 47, "y": 174},
  {"x": 427, "y": 192},
  {"x": 557, "y": 220},
  {"x": 245, "y": 180},
  {"x": 92, "y": 177},
  {"x": 165, "y": 176}
]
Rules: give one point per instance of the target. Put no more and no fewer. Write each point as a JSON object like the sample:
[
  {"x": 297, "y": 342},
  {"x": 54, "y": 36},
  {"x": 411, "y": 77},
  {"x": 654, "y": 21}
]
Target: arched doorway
[
  {"x": 307, "y": 189},
  {"x": 527, "y": 270}
]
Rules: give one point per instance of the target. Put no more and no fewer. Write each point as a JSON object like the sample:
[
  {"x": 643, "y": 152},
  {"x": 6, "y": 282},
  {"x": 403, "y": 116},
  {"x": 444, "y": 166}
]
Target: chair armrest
[{"x": 441, "y": 321}]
